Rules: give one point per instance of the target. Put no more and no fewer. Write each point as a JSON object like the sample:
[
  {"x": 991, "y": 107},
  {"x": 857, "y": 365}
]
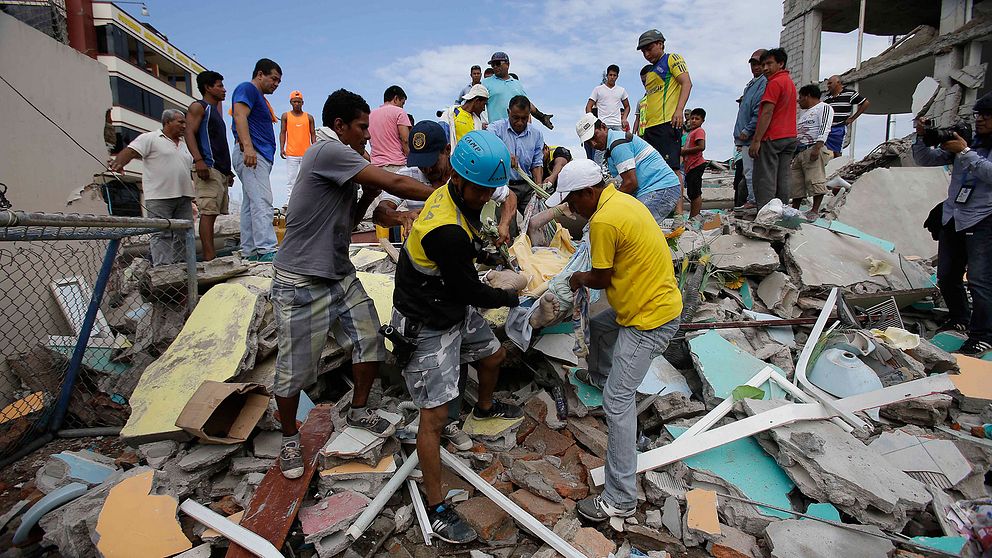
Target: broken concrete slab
[
  {"x": 919, "y": 454},
  {"x": 67, "y": 467},
  {"x": 245, "y": 465},
  {"x": 219, "y": 331},
  {"x": 747, "y": 466},
  {"x": 830, "y": 465},
  {"x": 738, "y": 253},
  {"x": 136, "y": 522},
  {"x": 205, "y": 455},
  {"x": 662, "y": 379},
  {"x": 543, "y": 478},
  {"x": 545, "y": 441},
  {"x": 813, "y": 539},
  {"x": 157, "y": 453},
  {"x": 267, "y": 444},
  {"x": 779, "y": 294},
  {"x": 904, "y": 190},
  {"x": 733, "y": 543},
  {"x": 723, "y": 366},
  {"x": 589, "y": 432},
  {"x": 332, "y": 514},
  {"x": 671, "y": 516},
  {"x": 929, "y": 410},
  {"x": 544, "y": 510},
  {"x": 822, "y": 259}
]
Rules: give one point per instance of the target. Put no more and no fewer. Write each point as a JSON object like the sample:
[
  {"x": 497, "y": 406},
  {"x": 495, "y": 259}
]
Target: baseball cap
[
  {"x": 586, "y": 127},
  {"x": 499, "y": 56},
  {"x": 648, "y": 37},
  {"x": 296, "y": 95},
  {"x": 574, "y": 176},
  {"x": 427, "y": 139},
  {"x": 477, "y": 90}
]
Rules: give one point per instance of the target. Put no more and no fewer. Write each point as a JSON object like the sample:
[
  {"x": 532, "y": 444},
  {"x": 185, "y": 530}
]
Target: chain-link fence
[{"x": 84, "y": 311}]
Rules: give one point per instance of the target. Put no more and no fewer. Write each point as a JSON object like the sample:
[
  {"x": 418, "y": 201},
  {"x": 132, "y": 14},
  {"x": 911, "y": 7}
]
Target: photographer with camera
[{"x": 966, "y": 223}]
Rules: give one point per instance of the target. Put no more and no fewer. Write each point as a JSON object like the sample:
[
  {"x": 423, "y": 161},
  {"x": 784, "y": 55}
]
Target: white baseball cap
[
  {"x": 574, "y": 176},
  {"x": 586, "y": 127},
  {"x": 477, "y": 90}
]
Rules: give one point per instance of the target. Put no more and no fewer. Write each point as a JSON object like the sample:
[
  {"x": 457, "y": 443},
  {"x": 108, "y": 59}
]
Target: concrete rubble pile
[{"x": 843, "y": 466}]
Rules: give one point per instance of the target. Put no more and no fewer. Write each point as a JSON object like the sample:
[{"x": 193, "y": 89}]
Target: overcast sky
[{"x": 558, "y": 48}]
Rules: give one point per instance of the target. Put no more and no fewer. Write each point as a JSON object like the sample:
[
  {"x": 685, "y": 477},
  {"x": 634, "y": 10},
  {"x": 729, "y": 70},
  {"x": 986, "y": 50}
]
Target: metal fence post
[
  {"x": 84, "y": 335},
  {"x": 192, "y": 289}
]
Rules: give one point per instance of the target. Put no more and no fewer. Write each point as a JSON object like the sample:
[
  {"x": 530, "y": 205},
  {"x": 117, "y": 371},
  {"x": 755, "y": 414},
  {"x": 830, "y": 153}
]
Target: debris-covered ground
[{"x": 862, "y": 436}]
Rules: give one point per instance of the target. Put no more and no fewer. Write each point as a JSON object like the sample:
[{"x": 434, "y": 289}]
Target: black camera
[{"x": 933, "y": 136}]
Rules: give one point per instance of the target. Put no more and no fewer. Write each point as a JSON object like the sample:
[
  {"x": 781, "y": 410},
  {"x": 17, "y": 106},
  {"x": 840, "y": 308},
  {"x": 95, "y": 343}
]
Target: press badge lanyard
[{"x": 966, "y": 189}]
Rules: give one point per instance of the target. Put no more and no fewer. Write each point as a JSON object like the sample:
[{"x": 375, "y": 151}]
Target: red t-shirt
[
  {"x": 693, "y": 160},
  {"x": 781, "y": 91}
]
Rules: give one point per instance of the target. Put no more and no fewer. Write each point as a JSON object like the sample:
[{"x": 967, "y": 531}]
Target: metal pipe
[
  {"x": 192, "y": 292},
  {"x": 375, "y": 506},
  {"x": 418, "y": 507},
  {"x": 62, "y": 406},
  {"x": 26, "y": 219},
  {"x": 90, "y": 432}
]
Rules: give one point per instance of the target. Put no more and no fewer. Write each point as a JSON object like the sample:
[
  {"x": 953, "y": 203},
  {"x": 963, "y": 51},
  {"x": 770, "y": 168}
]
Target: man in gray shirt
[
  {"x": 315, "y": 289},
  {"x": 965, "y": 229}
]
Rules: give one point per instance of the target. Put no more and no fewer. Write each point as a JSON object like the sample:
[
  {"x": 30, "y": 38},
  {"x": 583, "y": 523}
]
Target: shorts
[
  {"x": 432, "y": 374},
  {"x": 211, "y": 194},
  {"x": 835, "y": 139},
  {"x": 809, "y": 177},
  {"x": 307, "y": 309},
  {"x": 667, "y": 141},
  {"x": 694, "y": 182}
]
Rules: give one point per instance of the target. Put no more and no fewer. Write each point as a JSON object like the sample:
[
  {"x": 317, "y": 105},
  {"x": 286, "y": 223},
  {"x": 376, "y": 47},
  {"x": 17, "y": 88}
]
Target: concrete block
[
  {"x": 204, "y": 455},
  {"x": 544, "y": 510},
  {"x": 589, "y": 432},
  {"x": 830, "y": 465},
  {"x": 738, "y": 253},
  {"x": 332, "y": 514},
  {"x": 244, "y": 465},
  {"x": 545, "y": 479},
  {"x": 545, "y": 441},
  {"x": 812, "y": 539},
  {"x": 157, "y": 453},
  {"x": 267, "y": 445},
  {"x": 489, "y": 520},
  {"x": 592, "y": 543},
  {"x": 779, "y": 294}
]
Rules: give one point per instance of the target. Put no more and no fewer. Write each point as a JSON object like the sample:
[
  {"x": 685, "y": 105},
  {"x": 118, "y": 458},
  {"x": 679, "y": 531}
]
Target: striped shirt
[
  {"x": 813, "y": 124},
  {"x": 843, "y": 104},
  {"x": 652, "y": 172}
]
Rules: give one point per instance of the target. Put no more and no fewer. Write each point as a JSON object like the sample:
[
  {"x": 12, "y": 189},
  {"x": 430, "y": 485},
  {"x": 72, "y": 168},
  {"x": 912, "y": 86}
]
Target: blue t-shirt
[
  {"x": 653, "y": 173},
  {"x": 500, "y": 93},
  {"x": 259, "y": 120}
]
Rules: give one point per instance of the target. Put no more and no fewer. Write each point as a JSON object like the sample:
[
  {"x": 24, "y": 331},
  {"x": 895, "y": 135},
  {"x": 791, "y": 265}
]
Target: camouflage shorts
[{"x": 432, "y": 374}]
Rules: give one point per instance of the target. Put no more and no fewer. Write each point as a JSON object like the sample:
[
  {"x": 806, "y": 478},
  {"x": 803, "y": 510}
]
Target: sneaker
[
  {"x": 585, "y": 377},
  {"x": 266, "y": 257},
  {"x": 949, "y": 325},
  {"x": 291, "y": 459},
  {"x": 975, "y": 348},
  {"x": 498, "y": 410},
  {"x": 449, "y": 526},
  {"x": 457, "y": 437},
  {"x": 595, "y": 508},
  {"x": 372, "y": 422}
]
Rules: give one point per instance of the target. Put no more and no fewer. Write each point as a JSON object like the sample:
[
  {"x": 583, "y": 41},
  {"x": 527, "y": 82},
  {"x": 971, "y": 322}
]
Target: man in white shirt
[
  {"x": 809, "y": 164},
  {"x": 610, "y": 103},
  {"x": 167, "y": 182}
]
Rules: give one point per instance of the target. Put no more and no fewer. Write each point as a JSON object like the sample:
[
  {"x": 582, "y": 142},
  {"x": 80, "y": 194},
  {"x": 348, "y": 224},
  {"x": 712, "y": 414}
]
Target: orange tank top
[{"x": 297, "y": 134}]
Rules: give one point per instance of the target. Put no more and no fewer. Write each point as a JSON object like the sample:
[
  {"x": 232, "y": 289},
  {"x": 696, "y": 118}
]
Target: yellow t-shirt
[
  {"x": 464, "y": 123},
  {"x": 625, "y": 237},
  {"x": 663, "y": 90}
]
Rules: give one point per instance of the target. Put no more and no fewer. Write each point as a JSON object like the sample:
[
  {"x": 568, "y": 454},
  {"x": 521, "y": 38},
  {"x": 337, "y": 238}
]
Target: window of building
[
  {"x": 133, "y": 97},
  {"x": 114, "y": 41}
]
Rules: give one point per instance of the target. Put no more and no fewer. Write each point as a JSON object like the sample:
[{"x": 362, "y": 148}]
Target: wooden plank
[{"x": 277, "y": 500}]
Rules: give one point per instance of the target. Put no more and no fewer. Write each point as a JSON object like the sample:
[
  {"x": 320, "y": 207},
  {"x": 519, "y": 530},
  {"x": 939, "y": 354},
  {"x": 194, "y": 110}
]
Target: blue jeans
[
  {"x": 968, "y": 250},
  {"x": 619, "y": 358},
  {"x": 257, "y": 234},
  {"x": 662, "y": 202},
  {"x": 748, "y": 164}
]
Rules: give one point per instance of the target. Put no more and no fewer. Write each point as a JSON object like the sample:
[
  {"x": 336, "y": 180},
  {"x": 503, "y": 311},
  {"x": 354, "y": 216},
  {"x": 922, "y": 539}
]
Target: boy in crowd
[{"x": 693, "y": 161}]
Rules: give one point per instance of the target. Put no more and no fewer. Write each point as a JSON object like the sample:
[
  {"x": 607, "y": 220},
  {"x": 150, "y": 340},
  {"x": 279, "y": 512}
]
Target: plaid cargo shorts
[
  {"x": 306, "y": 310},
  {"x": 432, "y": 374}
]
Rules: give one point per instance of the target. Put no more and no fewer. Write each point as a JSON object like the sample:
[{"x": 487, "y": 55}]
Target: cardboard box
[{"x": 224, "y": 413}]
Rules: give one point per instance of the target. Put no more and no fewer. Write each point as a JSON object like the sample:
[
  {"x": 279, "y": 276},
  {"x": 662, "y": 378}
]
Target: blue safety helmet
[{"x": 482, "y": 158}]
